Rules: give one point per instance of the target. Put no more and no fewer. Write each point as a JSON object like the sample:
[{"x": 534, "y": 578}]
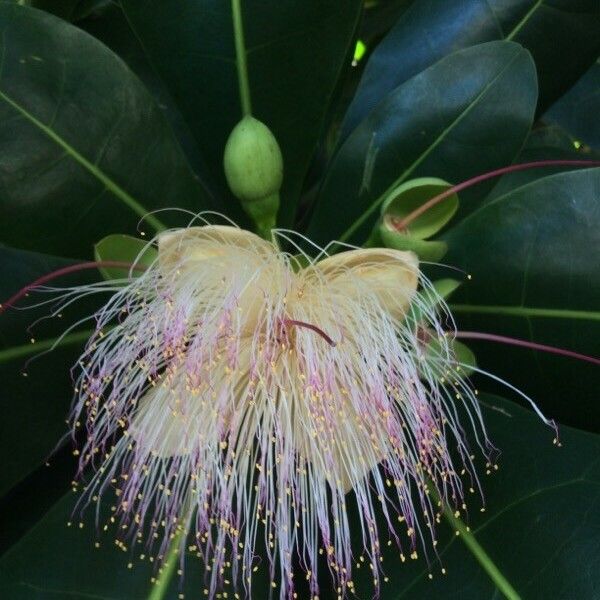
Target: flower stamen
[
  {"x": 66, "y": 271},
  {"x": 296, "y": 323}
]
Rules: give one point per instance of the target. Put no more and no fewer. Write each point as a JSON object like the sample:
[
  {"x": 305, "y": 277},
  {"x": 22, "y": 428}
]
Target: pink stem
[
  {"x": 65, "y": 271},
  {"x": 477, "y": 335},
  {"x": 401, "y": 224},
  {"x": 289, "y": 322}
]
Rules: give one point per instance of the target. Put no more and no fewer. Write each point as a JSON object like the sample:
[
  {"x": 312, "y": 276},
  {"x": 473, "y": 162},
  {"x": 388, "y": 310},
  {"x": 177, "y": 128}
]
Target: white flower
[{"x": 242, "y": 398}]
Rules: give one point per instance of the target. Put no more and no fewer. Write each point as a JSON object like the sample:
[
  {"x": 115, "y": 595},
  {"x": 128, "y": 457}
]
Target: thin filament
[
  {"x": 402, "y": 224},
  {"x": 66, "y": 271},
  {"x": 502, "y": 339}
]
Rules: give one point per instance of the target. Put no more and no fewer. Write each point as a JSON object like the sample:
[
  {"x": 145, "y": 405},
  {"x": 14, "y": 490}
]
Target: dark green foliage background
[{"x": 110, "y": 110}]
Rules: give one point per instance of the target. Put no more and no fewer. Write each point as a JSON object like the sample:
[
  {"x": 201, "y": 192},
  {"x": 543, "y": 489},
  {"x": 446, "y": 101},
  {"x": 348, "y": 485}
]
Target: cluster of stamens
[{"x": 239, "y": 408}]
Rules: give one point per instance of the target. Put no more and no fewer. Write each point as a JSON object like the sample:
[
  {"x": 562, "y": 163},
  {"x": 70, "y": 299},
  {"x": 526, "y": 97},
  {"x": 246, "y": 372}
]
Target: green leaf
[
  {"x": 113, "y": 30},
  {"x": 577, "y": 111},
  {"x": 535, "y": 482},
  {"x": 124, "y": 248},
  {"x": 401, "y": 202},
  {"x": 55, "y": 560},
  {"x": 412, "y": 195},
  {"x": 34, "y": 407},
  {"x": 436, "y": 124},
  {"x": 533, "y": 256},
  {"x": 430, "y": 29},
  {"x": 85, "y": 149},
  {"x": 465, "y": 356},
  {"x": 71, "y": 10},
  {"x": 68, "y": 564},
  {"x": 463, "y": 359},
  {"x": 65, "y": 9},
  {"x": 295, "y": 58},
  {"x": 446, "y": 287}
]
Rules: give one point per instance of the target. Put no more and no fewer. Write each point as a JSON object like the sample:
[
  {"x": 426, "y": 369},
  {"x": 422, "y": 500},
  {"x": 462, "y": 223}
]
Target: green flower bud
[
  {"x": 428, "y": 250},
  {"x": 254, "y": 170},
  {"x": 401, "y": 202}
]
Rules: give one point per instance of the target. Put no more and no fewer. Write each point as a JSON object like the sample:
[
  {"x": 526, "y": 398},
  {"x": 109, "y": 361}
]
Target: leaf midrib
[
  {"x": 108, "y": 183},
  {"x": 409, "y": 170},
  {"x": 527, "y": 311},
  {"x": 23, "y": 350},
  {"x": 524, "y": 20},
  {"x": 492, "y": 518}
]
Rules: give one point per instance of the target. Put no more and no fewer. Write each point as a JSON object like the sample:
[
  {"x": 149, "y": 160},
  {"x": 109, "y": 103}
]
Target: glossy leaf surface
[
  {"x": 577, "y": 111},
  {"x": 431, "y": 29},
  {"x": 548, "y": 142},
  {"x": 429, "y": 126},
  {"x": 533, "y": 257},
  {"x": 85, "y": 150},
  {"x": 542, "y": 503},
  {"x": 535, "y": 484}
]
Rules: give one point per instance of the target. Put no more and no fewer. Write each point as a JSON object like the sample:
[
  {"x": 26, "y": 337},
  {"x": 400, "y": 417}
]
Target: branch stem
[{"x": 240, "y": 53}]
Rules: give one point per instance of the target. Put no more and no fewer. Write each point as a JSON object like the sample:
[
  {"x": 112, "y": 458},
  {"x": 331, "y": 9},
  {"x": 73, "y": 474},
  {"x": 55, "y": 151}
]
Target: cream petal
[
  {"x": 174, "y": 418},
  {"x": 158, "y": 428},
  {"x": 239, "y": 259},
  {"x": 392, "y": 275},
  {"x": 390, "y": 278},
  {"x": 183, "y": 247}
]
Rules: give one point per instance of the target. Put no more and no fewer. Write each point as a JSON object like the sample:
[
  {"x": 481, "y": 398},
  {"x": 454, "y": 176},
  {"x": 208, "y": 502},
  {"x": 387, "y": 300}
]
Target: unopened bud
[{"x": 254, "y": 170}]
